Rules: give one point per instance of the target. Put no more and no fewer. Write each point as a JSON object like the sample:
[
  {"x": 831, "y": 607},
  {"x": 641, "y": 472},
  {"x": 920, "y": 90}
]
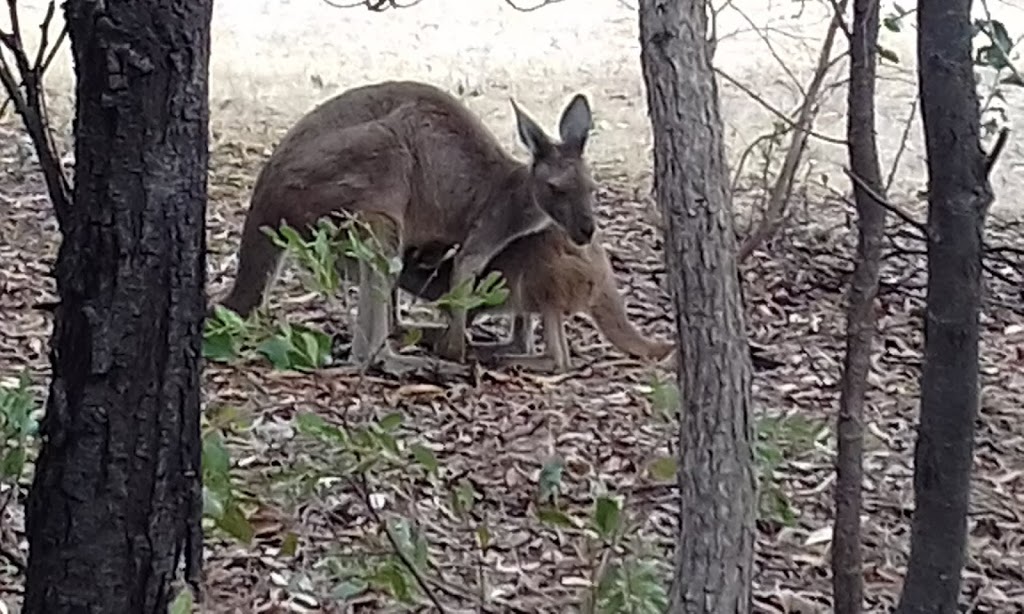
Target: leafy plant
[
  {"x": 227, "y": 336},
  {"x": 18, "y": 428},
  {"x": 778, "y": 440},
  {"x": 632, "y": 585},
  {"x": 221, "y": 501},
  {"x": 296, "y": 347}
]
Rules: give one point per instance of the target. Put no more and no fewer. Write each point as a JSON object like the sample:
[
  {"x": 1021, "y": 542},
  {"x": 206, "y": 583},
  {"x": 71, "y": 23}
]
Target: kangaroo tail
[{"x": 258, "y": 259}]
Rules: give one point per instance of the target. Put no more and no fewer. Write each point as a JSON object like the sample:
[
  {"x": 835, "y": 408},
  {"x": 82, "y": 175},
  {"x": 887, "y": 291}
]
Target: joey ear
[
  {"x": 576, "y": 123},
  {"x": 531, "y": 134}
]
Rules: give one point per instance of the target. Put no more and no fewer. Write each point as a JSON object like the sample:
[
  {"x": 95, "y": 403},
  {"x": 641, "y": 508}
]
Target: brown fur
[
  {"x": 549, "y": 275},
  {"x": 418, "y": 167}
]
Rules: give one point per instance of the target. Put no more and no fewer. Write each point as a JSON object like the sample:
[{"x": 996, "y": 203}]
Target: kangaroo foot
[
  {"x": 530, "y": 362},
  {"x": 400, "y": 365}
]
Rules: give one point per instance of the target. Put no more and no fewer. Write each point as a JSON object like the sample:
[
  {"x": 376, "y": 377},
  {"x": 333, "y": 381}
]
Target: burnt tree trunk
[
  {"x": 117, "y": 497},
  {"x": 714, "y": 560},
  {"x": 959, "y": 196},
  {"x": 847, "y": 566}
]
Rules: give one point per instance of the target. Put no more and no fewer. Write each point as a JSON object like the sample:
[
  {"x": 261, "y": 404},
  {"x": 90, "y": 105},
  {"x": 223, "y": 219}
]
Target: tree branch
[{"x": 29, "y": 102}]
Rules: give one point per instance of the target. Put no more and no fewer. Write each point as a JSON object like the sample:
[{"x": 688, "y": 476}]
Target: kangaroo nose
[{"x": 587, "y": 230}]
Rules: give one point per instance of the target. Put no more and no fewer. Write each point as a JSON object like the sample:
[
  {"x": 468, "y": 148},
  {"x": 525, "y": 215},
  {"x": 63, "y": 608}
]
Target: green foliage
[
  {"x": 221, "y": 500},
  {"x": 632, "y": 585},
  {"x": 183, "y": 602},
  {"x": 18, "y": 428},
  {"x": 779, "y": 440},
  {"x": 295, "y": 347},
  {"x": 490, "y": 291}
]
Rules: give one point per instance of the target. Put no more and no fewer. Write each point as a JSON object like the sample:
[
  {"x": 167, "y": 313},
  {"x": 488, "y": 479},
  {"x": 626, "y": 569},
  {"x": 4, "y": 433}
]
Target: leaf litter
[{"x": 498, "y": 433}]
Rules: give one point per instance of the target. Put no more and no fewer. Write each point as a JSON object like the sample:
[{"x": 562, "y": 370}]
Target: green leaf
[
  {"x": 290, "y": 544},
  {"x": 349, "y": 589},
  {"x": 13, "y": 463},
  {"x": 663, "y": 468},
  {"x": 182, "y": 603},
  {"x": 235, "y": 524},
  {"x": 555, "y": 517},
  {"x": 664, "y": 397},
  {"x": 425, "y": 457},
  {"x": 216, "y": 459},
  {"x": 391, "y": 578},
  {"x": 483, "y": 537},
  {"x": 463, "y": 497},
  {"x": 277, "y": 350},
  {"x": 550, "y": 480},
  {"x": 213, "y": 503},
  {"x": 607, "y": 516},
  {"x": 892, "y": 23},
  {"x": 888, "y": 54},
  {"x": 219, "y": 347},
  {"x": 412, "y": 337},
  {"x": 391, "y": 421}
]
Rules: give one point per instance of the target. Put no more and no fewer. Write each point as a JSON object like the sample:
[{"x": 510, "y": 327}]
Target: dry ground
[{"x": 273, "y": 60}]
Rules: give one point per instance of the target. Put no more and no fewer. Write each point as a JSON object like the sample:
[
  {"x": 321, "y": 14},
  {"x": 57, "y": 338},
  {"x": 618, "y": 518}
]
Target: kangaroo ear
[
  {"x": 530, "y": 133},
  {"x": 576, "y": 123}
]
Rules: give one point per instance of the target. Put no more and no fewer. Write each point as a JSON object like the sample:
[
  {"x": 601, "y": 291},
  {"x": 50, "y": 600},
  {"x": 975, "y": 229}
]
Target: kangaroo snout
[{"x": 583, "y": 232}]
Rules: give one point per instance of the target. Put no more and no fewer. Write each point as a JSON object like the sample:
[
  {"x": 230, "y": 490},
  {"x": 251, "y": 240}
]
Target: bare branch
[
  {"x": 990, "y": 159},
  {"x": 903, "y": 143},
  {"x": 379, "y": 6},
  {"x": 527, "y": 9},
  {"x": 375, "y": 6},
  {"x": 885, "y": 204},
  {"x": 29, "y": 101},
  {"x": 776, "y": 112},
  {"x": 782, "y": 189}
]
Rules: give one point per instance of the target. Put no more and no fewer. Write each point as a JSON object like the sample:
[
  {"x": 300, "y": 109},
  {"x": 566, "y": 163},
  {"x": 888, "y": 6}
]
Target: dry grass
[{"x": 266, "y": 58}]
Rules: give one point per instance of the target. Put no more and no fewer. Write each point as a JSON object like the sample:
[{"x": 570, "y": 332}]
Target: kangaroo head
[{"x": 559, "y": 176}]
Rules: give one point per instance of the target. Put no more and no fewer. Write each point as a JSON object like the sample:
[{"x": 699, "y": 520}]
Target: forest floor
[{"x": 501, "y": 429}]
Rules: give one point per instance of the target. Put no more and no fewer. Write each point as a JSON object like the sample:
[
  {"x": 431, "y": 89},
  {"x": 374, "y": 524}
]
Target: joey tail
[{"x": 609, "y": 314}]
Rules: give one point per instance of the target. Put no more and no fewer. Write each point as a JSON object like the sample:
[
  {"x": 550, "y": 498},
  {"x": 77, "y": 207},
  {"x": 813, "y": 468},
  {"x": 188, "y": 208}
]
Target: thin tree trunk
[
  {"x": 958, "y": 201},
  {"x": 116, "y": 498},
  {"x": 847, "y": 566},
  {"x": 714, "y": 561}
]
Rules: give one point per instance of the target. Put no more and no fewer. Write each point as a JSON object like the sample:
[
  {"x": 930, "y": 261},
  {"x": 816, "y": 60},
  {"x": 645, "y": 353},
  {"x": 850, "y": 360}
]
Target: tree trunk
[
  {"x": 117, "y": 495},
  {"x": 847, "y": 566},
  {"x": 714, "y": 561},
  {"x": 959, "y": 198}
]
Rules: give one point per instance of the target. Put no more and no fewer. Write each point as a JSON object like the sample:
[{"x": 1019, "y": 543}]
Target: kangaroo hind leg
[{"x": 373, "y": 318}]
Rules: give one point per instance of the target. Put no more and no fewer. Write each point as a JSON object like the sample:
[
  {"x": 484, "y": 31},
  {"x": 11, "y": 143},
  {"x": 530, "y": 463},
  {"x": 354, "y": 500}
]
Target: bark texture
[
  {"x": 117, "y": 496},
  {"x": 714, "y": 560},
  {"x": 847, "y": 559},
  {"x": 959, "y": 198}
]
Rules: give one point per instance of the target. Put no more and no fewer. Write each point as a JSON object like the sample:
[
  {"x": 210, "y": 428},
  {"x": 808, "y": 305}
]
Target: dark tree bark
[
  {"x": 714, "y": 561},
  {"x": 117, "y": 497},
  {"x": 847, "y": 565},
  {"x": 958, "y": 201}
]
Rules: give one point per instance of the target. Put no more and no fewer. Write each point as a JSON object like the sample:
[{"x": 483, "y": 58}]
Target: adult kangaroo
[
  {"x": 417, "y": 168},
  {"x": 548, "y": 274}
]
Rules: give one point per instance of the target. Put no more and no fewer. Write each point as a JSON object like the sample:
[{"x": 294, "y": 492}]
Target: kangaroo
[
  {"x": 546, "y": 273},
  {"x": 418, "y": 168}
]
